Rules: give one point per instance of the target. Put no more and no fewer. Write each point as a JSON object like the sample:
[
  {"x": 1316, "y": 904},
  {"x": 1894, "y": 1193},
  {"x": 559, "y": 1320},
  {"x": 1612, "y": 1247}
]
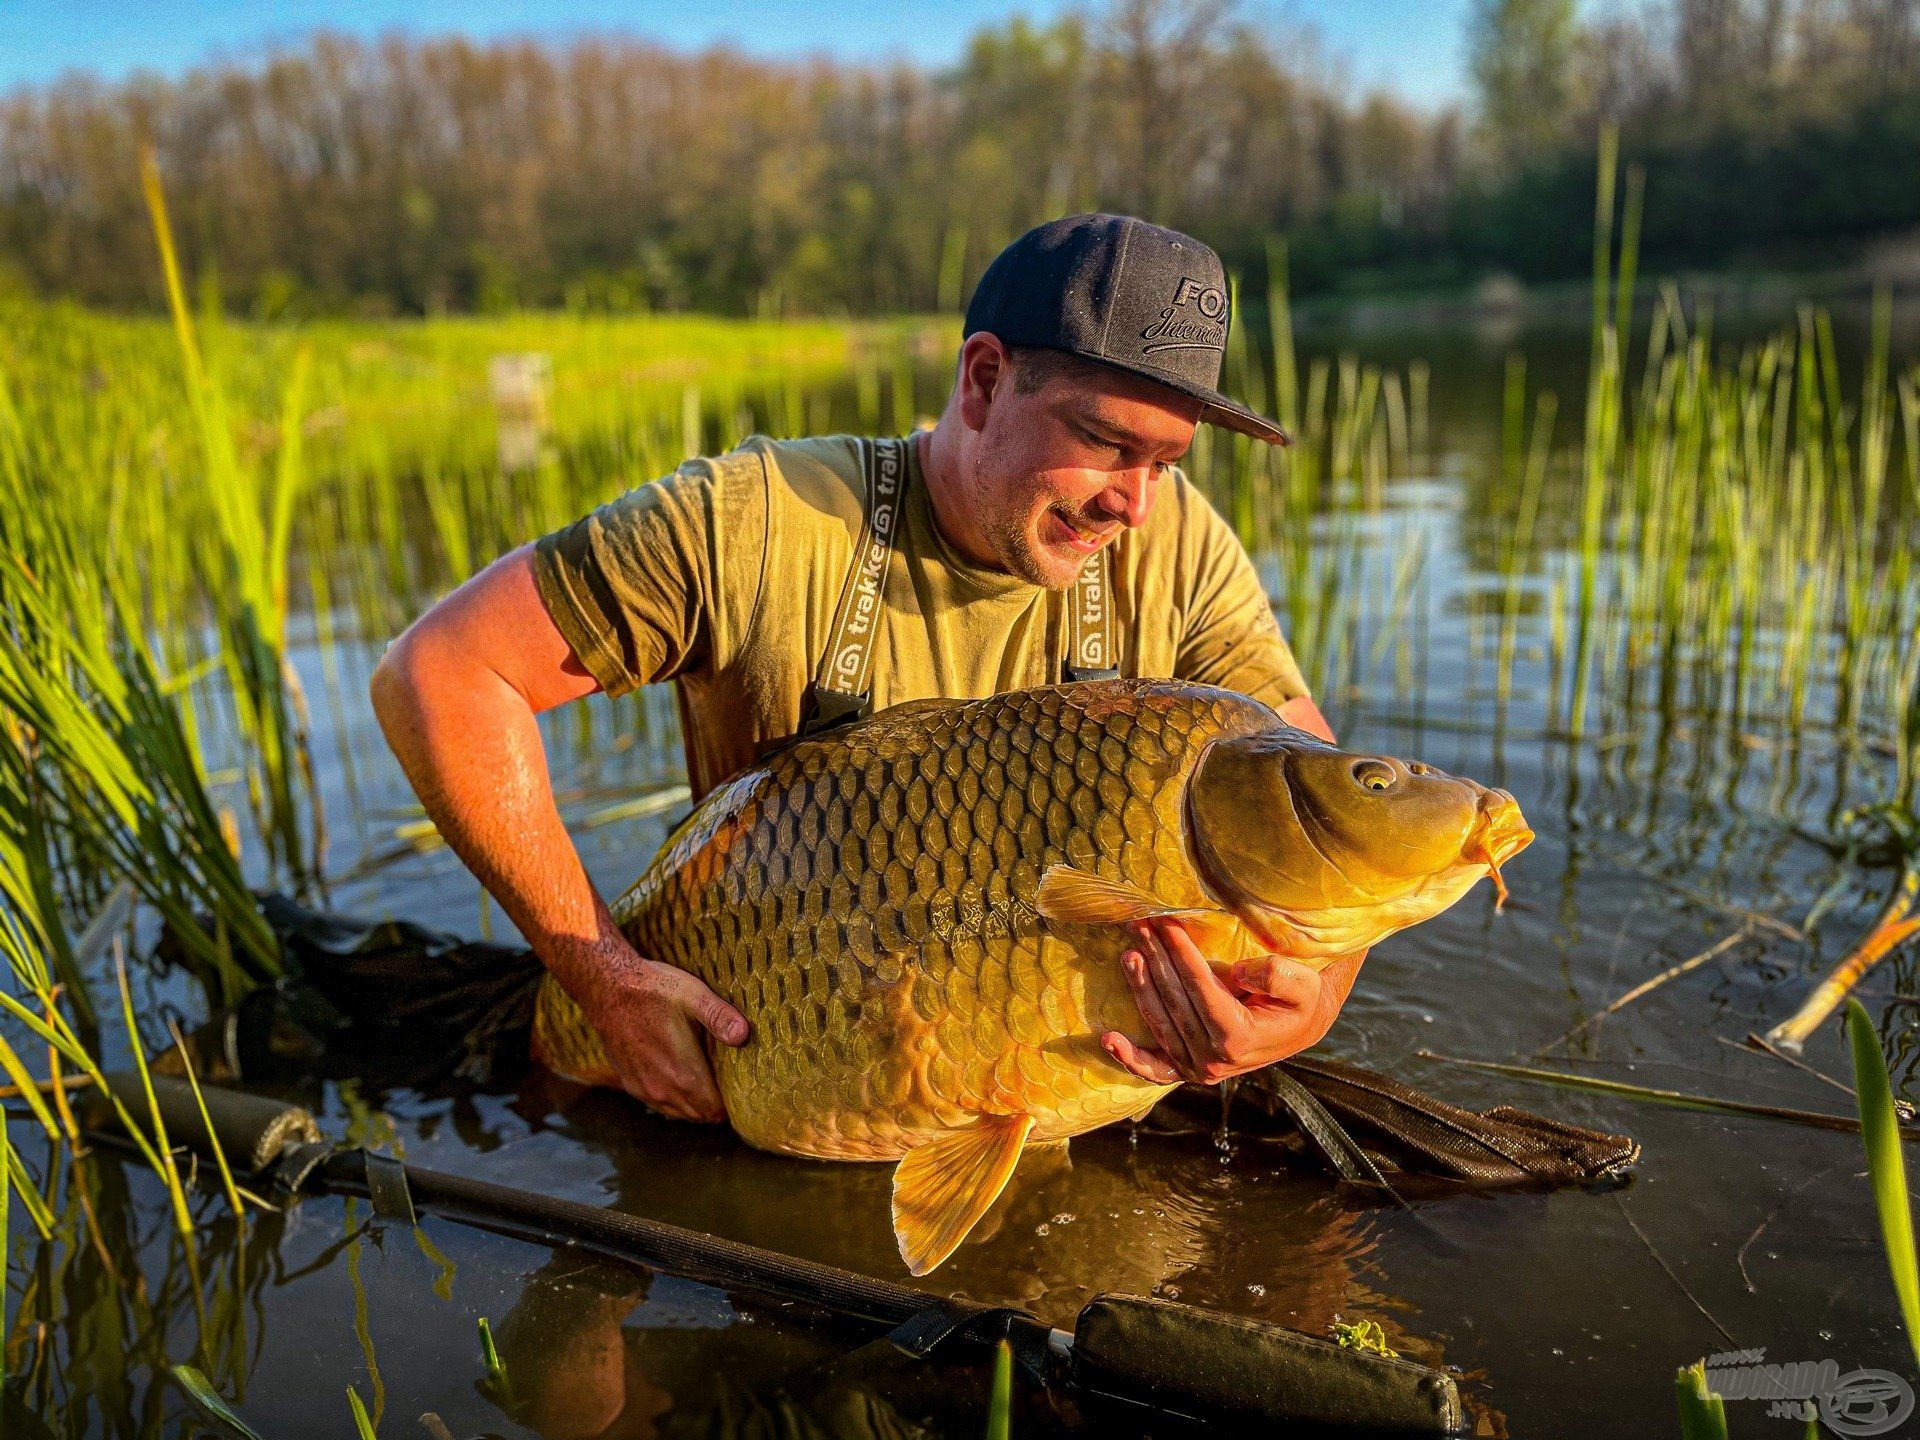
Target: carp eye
[{"x": 1373, "y": 774}]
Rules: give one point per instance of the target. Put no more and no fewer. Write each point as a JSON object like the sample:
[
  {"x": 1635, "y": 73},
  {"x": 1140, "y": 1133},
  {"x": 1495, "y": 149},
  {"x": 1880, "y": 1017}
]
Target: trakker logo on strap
[
  {"x": 1201, "y": 327},
  {"x": 861, "y": 609},
  {"x": 1091, "y": 650}
]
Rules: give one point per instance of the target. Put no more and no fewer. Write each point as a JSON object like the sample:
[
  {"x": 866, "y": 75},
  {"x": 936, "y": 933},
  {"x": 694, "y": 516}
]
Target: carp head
[{"x": 1323, "y": 851}]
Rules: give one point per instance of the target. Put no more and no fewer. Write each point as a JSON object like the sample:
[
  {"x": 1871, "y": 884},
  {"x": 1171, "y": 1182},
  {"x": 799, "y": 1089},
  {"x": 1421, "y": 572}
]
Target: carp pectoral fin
[
  {"x": 1071, "y": 896},
  {"x": 942, "y": 1188}
]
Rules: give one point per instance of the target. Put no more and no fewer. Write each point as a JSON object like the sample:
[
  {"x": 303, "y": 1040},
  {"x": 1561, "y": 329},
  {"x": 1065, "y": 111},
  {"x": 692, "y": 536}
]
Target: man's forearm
[{"x": 470, "y": 745}]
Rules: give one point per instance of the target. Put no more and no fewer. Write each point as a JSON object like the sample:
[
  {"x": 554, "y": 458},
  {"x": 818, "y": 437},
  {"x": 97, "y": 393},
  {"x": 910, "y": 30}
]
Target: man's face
[{"x": 1059, "y": 471}]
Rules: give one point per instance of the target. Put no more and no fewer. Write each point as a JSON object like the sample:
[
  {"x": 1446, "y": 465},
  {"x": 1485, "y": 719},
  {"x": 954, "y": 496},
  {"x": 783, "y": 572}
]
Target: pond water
[{"x": 1565, "y": 1314}]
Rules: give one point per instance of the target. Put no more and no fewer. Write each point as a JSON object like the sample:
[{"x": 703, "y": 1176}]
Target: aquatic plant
[
  {"x": 209, "y": 1405},
  {"x": 1000, "y": 1395},
  {"x": 1703, "y": 1414},
  {"x": 1886, "y": 1164}
]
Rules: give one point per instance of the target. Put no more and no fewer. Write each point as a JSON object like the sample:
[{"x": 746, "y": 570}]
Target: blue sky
[{"x": 1414, "y": 46}]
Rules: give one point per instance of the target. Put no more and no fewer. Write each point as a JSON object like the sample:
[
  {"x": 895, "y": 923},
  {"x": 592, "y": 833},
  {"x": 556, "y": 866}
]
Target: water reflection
[
  {"x": 1144, "y": 1214},
  {"x": 1162, "y": 1212}
]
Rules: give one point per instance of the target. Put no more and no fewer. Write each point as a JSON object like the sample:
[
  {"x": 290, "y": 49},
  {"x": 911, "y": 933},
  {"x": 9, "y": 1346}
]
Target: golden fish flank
[{"x": 922, "y": 915}]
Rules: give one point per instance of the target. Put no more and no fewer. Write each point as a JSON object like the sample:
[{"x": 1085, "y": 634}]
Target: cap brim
[
  {"x": 1217, "y": 408},
  {"x": 1222, "y": 411}
]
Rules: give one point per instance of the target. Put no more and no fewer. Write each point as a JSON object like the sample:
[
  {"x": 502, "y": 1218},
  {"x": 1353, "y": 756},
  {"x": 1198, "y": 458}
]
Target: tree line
[{"x": 424, "y": 175}]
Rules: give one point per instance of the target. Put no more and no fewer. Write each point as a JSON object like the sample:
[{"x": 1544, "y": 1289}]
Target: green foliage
[
  {"x": 496, "y": 1385},
  {"x": 1000, "y": 1397},
  {"x": 570, "y": 175},
  {"x": 362, "y": 1425},
  {"x": 1368, "y": 1335},
  {"x": 1523, "y": 55},
  {"x": 1886, "y": 1164},
  {"x": 212, "y": 1409},
  {"x": 1703, "y": 1414}
]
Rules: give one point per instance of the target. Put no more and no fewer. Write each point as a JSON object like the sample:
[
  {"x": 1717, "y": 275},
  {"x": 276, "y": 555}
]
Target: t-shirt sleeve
[
  {"x": 662, "y": 580},
  {"x": 1231, "y": 638}
]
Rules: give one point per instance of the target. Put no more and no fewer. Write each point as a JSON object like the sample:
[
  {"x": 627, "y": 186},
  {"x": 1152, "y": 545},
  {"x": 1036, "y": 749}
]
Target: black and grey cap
[{"x": 1138, "y": 297}]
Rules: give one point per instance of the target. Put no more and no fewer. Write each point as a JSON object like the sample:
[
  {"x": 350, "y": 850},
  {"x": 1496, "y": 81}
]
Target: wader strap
[
  {"x": 842, "y": 687},
  {"x": 1090, "y": 652}
]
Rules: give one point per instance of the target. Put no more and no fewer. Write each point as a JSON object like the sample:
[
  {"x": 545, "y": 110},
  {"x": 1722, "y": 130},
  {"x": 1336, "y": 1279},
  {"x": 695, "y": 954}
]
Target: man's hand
[
  {"x": 456, "y": 697},
  {"x": 1202, "y": 1030},
  {"x": 650, "y": 1017}
]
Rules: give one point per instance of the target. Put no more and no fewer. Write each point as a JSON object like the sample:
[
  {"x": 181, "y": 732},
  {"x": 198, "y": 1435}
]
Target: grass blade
[
  {"x": 1879, "y": 1127},
  {"x": 209, "y": 1406},
  {"x": 1000, "y": 1398},
  {"x": 361, "y": 1424},
  {"x": 1703, "y": 1414}
]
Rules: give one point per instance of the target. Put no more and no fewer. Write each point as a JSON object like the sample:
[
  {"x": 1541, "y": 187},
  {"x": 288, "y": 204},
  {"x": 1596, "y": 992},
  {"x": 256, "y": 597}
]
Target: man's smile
[{"x": 1075, "y": 533}]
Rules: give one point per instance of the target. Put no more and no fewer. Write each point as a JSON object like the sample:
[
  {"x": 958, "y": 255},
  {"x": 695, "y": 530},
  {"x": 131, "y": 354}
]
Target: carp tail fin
[
  {"x": 942, "y": 1188},
  {"x": 1071, "y": 896}
]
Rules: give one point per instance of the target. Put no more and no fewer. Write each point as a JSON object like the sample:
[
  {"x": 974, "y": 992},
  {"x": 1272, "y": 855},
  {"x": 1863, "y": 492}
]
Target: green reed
[
  {"x": 1886, "y": 1164},
  {"x": 241, "y": 557}
]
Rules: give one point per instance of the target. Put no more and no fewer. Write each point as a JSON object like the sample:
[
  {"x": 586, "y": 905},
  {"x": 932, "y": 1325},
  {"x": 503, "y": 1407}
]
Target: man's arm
[{"x": 456, "y": 696}]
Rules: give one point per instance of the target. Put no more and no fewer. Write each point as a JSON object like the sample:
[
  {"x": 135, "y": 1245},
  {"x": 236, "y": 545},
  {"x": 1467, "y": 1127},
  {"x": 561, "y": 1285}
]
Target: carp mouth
[{"x": 1499, "y": 834}]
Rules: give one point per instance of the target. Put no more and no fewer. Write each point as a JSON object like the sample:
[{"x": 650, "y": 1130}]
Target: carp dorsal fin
[
  {"x": 942, "y": 1188},
  {"x": 1072, "y": 896}
]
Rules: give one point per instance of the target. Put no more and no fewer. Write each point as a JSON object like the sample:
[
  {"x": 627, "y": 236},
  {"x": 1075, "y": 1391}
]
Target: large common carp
[{"x": 923, "y": 914}]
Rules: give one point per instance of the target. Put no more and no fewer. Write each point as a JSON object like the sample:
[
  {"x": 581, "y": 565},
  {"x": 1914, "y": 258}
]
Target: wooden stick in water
[
  {"x": 1673, "y": 973},
  {"x": 53, "y": 1086},
  {"x": 1679, "y": 1099},
  {"x": 1897, "y": 923}
]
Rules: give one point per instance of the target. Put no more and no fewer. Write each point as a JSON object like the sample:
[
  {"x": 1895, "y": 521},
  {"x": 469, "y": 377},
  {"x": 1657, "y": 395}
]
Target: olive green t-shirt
[{"x": 725, "y": 575}]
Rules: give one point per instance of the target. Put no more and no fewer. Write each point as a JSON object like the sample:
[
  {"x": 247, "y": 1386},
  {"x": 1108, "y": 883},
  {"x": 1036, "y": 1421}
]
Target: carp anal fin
[
  {"x": 942, "y": 1188},
  {"x": 1071, "y": 896}
]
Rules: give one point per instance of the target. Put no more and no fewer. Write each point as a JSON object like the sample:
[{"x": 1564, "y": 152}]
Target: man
[{"x": 1041, "y": 522}]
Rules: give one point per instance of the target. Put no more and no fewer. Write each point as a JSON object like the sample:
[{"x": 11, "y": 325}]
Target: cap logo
[{"x": 1201, "y": 327}]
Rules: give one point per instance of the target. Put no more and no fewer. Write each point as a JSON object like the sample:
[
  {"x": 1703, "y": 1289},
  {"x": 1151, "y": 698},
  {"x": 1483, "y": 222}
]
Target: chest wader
[{"x": 841, "y": 691}]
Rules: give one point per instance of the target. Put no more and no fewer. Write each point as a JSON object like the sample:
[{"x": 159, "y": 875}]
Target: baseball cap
[{"x": 1116, "y": 290}]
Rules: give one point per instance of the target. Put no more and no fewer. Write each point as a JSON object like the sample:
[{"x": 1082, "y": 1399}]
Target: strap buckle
[{"x": 825, "y": 709}]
